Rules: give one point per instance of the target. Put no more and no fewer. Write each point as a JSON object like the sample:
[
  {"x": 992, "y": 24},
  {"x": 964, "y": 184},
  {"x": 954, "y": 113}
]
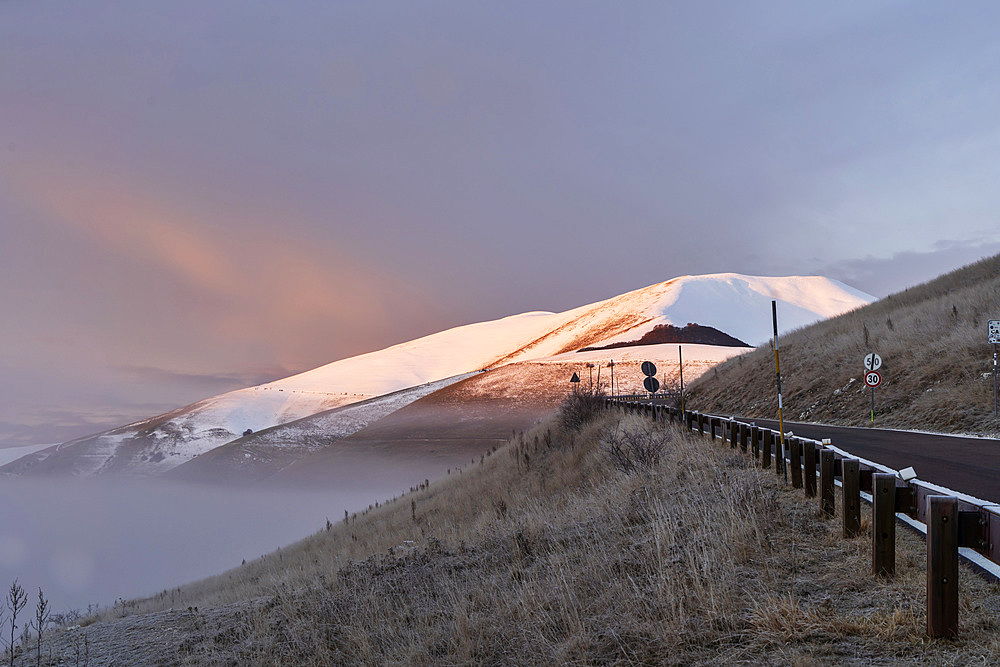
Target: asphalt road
[{"x": 967, "y": 465}]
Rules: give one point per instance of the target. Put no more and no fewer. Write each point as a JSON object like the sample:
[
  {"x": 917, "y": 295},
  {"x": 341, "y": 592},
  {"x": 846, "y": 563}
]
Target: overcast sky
[{"x": 198, "y": 196}]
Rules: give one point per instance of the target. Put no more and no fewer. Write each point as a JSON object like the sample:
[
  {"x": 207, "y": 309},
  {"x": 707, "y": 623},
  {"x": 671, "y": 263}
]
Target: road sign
[
  {"x": 873, "y": 362},
  {"x": 648, "y": 368},
  {"x": 575, "y": 378},
  {"x": 994, "y": 336},
  {"x": 651, "y": 384},
  {"x": 873, "y": 379}
]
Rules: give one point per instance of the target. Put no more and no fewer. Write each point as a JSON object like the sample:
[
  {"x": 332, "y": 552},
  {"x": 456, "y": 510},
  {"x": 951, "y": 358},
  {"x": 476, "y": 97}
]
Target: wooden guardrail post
[
  {"x": 827, "y": 502},
  {"x": 942, "y": 566},
  {"x": 851, "y": 478},
  {"x": 734, "y": 434},
  {"x": 765, "y": 449},
  {"x": 810, "y": 468},
  {"x": 711, "y": 427},
  {"x": 884, "y": 524},
  {"x": 701, "y": 424},
  {"x": 795, "y": 456},
  {"x": 755, "y": 441}
]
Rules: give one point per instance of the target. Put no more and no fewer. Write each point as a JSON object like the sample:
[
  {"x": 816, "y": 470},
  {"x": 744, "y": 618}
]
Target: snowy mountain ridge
[{"x": 736, "y": 304}]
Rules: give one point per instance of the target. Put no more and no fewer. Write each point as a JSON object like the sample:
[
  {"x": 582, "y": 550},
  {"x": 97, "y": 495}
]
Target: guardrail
[{"x": 956, "y": 525}]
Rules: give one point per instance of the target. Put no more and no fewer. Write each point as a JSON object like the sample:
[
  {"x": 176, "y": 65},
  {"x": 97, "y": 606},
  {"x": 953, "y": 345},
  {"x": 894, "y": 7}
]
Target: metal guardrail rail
[{"x": 956, "y": 524}]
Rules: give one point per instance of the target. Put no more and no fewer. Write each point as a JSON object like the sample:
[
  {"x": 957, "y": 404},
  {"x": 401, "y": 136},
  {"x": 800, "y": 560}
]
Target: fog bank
[{"x": 93, "y": 541}]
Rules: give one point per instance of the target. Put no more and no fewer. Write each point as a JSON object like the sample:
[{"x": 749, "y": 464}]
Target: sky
[{"x": 201, "y": 196}]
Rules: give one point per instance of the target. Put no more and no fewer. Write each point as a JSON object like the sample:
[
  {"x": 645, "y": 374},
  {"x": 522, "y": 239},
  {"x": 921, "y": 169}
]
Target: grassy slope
[
  {"x": 547, "y": 553},
  {"x": 932, "y": 339}
]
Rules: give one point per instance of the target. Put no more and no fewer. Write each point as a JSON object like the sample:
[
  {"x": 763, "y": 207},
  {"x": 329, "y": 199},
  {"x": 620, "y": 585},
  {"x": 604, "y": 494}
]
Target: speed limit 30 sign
[{"x": 873, "y": 379}]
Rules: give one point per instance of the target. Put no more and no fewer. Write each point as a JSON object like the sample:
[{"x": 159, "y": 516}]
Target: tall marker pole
[
  {"x": 777, "y": 374},
  {"x": 680, "y": 362}
]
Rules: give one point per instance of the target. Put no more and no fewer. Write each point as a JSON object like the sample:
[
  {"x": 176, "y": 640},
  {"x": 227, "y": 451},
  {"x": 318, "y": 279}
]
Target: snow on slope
[
  {"x": 261, "y": 454},
  {"x": 735, "y": 304}
]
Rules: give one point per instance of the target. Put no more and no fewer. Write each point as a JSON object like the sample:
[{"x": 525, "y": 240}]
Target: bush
[
  {"x": 579, "y": 408},
  {"x": 636, "y": 449}
]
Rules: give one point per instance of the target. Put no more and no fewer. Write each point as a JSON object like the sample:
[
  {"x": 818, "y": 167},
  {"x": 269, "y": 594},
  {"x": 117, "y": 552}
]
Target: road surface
[{"x": 967, "y": 465}]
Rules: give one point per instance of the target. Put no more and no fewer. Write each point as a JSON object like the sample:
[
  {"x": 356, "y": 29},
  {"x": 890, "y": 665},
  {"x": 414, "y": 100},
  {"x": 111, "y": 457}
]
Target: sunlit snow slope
[{"x": 735, "y": 304}]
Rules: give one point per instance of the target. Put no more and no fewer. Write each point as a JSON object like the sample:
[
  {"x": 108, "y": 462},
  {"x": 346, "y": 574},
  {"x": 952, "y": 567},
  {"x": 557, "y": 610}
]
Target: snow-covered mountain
[{"x": 735, "y": 304}]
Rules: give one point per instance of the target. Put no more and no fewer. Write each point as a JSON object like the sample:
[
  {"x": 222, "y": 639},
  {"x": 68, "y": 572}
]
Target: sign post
[
  {"x": 575, "y": 381},
  {"x": 994, "y": 338},
  {"x": 873, "y": 379},
  {"x": 777, "y": 374},
  {"x": 873, "y": 362}
]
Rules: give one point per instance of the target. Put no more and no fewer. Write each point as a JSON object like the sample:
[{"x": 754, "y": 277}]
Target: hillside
[
  {"x": 546, "y": 551},
  {"x": 722, "y": 301},
  {"x": 936, "y": 375}
]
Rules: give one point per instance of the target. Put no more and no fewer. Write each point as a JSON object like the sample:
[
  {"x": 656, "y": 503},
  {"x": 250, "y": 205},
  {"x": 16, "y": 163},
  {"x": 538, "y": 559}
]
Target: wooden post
[
  {"x": 795, "y": 454},
  {"x": 884, "y": 524},
  {"x": 701, "y": 424},
  {"x": 826, "y": 501},
  {"x": 711, "y": 426},
  {"x": 810, "y": 470},
  {"x": 765, "y": 448},
  {"x": 851, "y": 478},
  {"x": 942, "y": 566},
  {"x": 734, "y": 432},
  {"x": 755, "y": 441}
]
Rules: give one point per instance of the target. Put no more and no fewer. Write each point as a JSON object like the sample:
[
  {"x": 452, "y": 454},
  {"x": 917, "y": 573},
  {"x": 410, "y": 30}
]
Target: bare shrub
[
  {"x": 579, "y": 409},
  {"x": 634, "y": 449},
  {"x": 16, "y": 599}
]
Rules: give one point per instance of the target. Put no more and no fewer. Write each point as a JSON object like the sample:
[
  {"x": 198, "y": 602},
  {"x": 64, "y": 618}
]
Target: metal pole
[
  {"x": 612, "y": 364},
  {"x": 994, "y": 380},
  {"x": 777, "y": 374},
  {"x": 680, "y": 361},
  {"x": 873, "y": 405}
]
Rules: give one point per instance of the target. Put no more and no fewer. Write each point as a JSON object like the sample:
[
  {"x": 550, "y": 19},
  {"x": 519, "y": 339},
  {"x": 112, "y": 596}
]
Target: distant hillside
[
  {"x": 937, "y": 371},
  {"x": 668, "y": 333}
]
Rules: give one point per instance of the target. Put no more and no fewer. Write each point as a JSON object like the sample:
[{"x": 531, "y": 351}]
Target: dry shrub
[
  {"x": 635, "y": 449},
  {"x": 580, "y": 408}
]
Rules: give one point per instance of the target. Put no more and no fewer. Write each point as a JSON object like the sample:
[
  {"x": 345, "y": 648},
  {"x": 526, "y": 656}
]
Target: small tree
[
  {"x": 16, "y": 599},
  {"x": 41, "y": 618}
]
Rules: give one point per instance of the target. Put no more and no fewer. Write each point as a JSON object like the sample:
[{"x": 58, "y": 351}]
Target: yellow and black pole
[
  {"x": 777, "y": 374},
  {"x": 680, "y": 366}
]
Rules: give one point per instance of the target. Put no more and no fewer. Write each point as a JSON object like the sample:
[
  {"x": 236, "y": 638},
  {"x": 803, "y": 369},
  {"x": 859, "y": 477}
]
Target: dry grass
[
  {"x": 547, "y": 553},
  {"x": 932, "y": 339}
]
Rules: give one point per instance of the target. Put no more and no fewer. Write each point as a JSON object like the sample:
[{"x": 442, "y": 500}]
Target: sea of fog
[{"x": 93, "y": 541}]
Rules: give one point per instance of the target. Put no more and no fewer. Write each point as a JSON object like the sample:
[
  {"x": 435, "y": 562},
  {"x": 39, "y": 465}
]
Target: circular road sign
[
  {"x": 648, "y": 368},
  {"x": 651, "y": 384},
  {"x": 873, "y": 362},
  {"x": 873, "y": 379}
]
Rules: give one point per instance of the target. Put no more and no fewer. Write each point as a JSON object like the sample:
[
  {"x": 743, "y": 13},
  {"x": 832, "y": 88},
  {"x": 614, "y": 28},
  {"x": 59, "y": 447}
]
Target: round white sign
[
  {"x": 873, "y": 379},
  {"x": 873, "y": 362}
]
